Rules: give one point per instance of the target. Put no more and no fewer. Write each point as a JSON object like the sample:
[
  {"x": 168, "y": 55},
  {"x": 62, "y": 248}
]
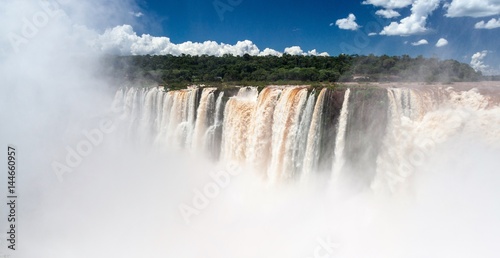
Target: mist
[{"x": 124, "y": 197}]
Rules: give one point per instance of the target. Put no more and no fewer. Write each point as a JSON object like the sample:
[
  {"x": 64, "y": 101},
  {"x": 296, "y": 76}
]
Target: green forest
[{"x": 179, "y": 71}]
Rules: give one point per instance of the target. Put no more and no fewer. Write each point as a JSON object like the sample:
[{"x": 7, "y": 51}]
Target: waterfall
[
  {"x": 237, "y": 118},
  {"x": 204, "y": 120},
  {"x": 366, "y": 137},
  {"x": 214, "y": 131},
  {"x": 340, "y": 138},
  {"x": 406, "y": 109},
  {"x": 365, "y": 129},
  {"x": 166, "y": 106},
  {"x": 118, "y": 101},
  {"x": 260, "y": 133},
  {"x": 160, "y": 99},
  {"x": 305, "y": 122},
  {"x": 182, "y": 117},
  {"x": 148, "y": 113},
  {"x": 189, "y": 124},
  {"x": 284, "y": 132},
  {"x": 313, "y": 138}
]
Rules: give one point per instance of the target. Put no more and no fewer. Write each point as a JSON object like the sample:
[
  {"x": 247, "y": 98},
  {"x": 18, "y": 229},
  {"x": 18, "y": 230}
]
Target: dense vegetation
[{"x": 183, "y": 70}]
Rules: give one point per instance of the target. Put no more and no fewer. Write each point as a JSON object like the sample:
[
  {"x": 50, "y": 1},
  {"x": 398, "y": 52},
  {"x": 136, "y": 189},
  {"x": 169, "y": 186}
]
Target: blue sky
[
  {"x": 465, "y": 30},
  {"x": 312, "y": 25}
]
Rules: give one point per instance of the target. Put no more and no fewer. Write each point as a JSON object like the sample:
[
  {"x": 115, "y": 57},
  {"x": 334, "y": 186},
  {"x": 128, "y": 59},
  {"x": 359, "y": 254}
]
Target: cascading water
[
  {"x": 214, "y": 132},
  {"x": 205, "y": 120},
  {"x": 237, "y": 118},
  {"x": 148, "y": 113},
  {"x": 340, "y": 138},
  {"x": 302, "y": 133},
  {"x": 367, "y": 137},
  {"x": 285, "y": 132},
  {"x": 422, "y": 119},
  {"x": 313, "y": 138},
  {"x": 260, "y": 137},
  {"x": 166, "y": 107}
]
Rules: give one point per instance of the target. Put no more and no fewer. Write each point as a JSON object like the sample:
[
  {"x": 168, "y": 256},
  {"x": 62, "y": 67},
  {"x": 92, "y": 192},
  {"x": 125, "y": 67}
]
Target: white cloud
[
  {"x": 415, "y": 23},
  {"x": 123, "y": 40},
  {"x": 331, "y": 24},
  {"x": 348, "y": 23},
  {"x": 295, "y": 50},
  {"x": 473, "y": 8},
  {"x": 269, "y": 52},
  {"x": 316, "y": 53},
  {"x": 420, "y": 42},
  {"x": 441, "y": 42},
  {"x": 388, "y": 13},
  {"x": 389, "y": 4},
  {"x": 491, "y": 24},
  {"x": 372, "y": 34},
  {"x": 477, "y": 62},
  {"x": 138, "y": 14}
]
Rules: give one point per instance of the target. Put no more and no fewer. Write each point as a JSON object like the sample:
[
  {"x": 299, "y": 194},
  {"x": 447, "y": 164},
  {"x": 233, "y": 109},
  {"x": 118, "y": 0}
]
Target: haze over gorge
[
  {"x": 284, "y": 154},
  {"x": 349, "y": 162}
]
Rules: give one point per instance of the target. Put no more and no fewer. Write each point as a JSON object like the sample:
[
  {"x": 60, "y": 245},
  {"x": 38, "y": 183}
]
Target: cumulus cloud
[
  {"x": 123, "y": 40},
  {"x": 441, "y": 42},
  {"x": 415, "y": 23},
  {"x": 389, "y": 4},
  {"x": 388, "y": 13},
  {"x": 269, "y": 52},
  {"x": 491, "y": 24},
  {"x": 472, "y": 8},
  {"x": 314, "y": 52},
  {"x": 420, "y": 42},
  {"x": 477, "y": 62},
  {"x": 348, "y": 23},
  {"x": 297, "y": 51}
]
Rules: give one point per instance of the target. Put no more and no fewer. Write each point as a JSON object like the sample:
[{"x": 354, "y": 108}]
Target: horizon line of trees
[{"x": 187, "y": 69}]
